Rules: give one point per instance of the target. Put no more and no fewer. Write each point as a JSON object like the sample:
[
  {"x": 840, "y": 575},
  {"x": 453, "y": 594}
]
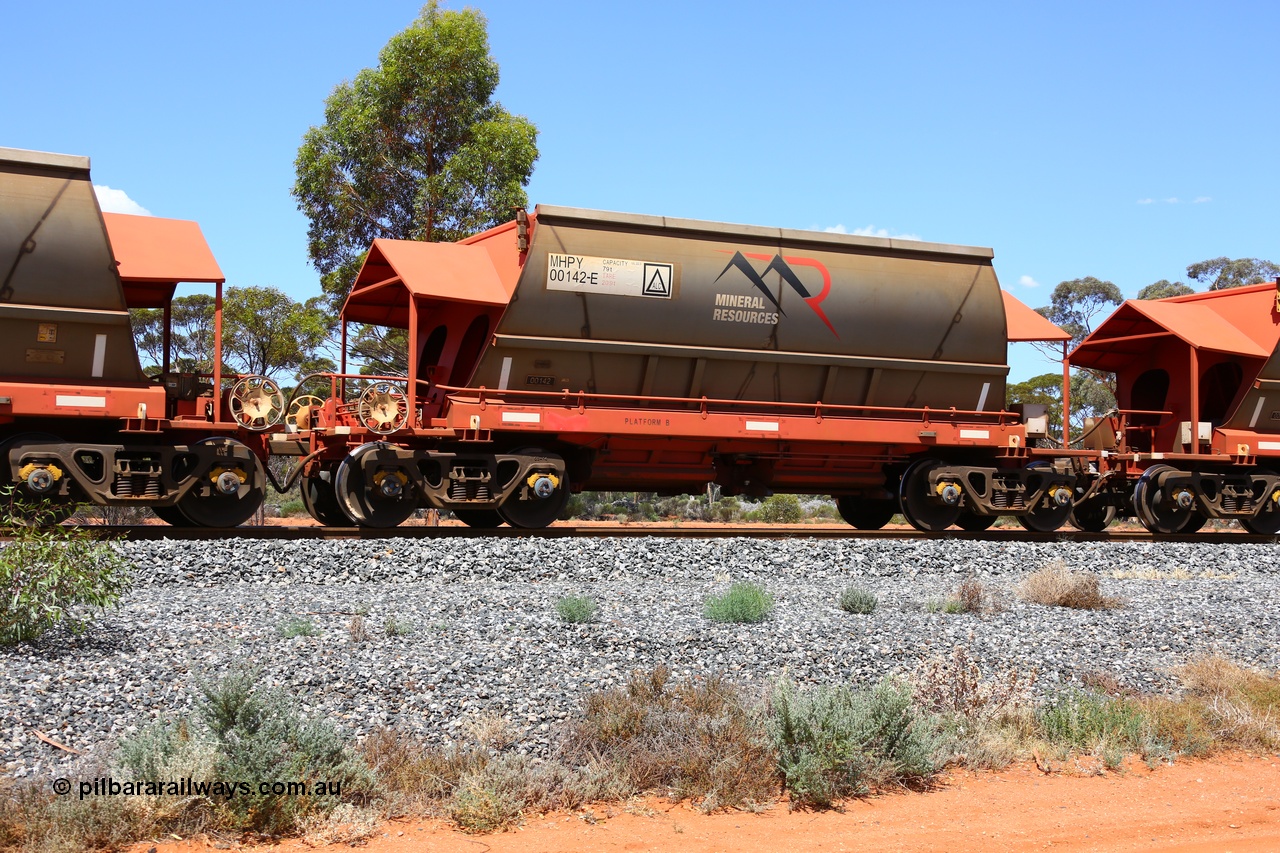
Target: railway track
[{"x": 569, "y": 531}]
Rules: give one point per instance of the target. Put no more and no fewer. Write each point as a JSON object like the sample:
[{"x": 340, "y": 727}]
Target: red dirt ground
[{"x": 1228, "y": 804}]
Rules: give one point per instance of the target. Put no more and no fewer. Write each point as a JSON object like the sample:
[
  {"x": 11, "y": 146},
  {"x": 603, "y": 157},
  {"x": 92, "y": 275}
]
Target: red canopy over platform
[
  {"x": 398, "y": 269},
  {"x": 1024, "y": 324},
  {"x": 154, "y": 254},
  {"x": 1242, "y": 320}
]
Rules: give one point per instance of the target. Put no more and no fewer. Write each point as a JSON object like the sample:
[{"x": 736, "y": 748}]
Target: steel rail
[{"x": 631, "y": 531}]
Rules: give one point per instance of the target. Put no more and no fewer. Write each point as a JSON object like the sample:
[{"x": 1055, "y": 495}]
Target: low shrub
[
  {"x": 726, "y": 511},
  {"x": 51, "y": 574},
  {"x": 292, "y": 508},
  {"x": 970, "y": 597},
  {"x": 744, "y": 602},
  {"x": 1056, "y": 586},
  {"x": 781, "y": 509},
  {"x": 246, "y": 734},
  {"x": 394, "y": 627},
  {"x": 1089, "y": 721},
  {"x": 835, "y": 742},
  {"x": 857, "y": 600},
  {"x": 575, "y": 609},
  {"x": 297, "y": 626}
]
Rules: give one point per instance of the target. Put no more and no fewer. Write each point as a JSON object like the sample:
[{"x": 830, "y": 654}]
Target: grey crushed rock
[{"x": 486, "y": 640}]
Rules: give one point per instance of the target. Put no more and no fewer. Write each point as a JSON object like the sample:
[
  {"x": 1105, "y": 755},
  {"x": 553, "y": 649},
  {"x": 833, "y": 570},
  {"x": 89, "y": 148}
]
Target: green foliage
[
  {"x": 575, "y": 609},
  {"x": 1086, "y": 720},
  {"x": 380, "y": 351},
  {"x": 725, "y": 510},
  {"x": 1092, "y": 394},
  {"x": 297, "y": 626},
  {"x": 51, "y": 574},
  {"x": 782, "y": 509},
  {"x": 1076, "y": 303},
  {"x": 1163, "y": 289},
  {"x": 394, "y": 627},
  {"x": 293, "y": 507},
  {"x": 243, "y": 734},
  {"x": 1222, "y": 273},
  {"x": 744, "y": 602},
  {"x": 950, "y": 606},
  {"x": 192, "y": 325},
  {"x": 415, "y": 148},
  {"x": 263, "y": 332},
  {"x": 857, "y": 600},
  {"x": 478, "y": 808},
  {"x": 834, "y": 742},
  {"x": 1046, "y": 390}
]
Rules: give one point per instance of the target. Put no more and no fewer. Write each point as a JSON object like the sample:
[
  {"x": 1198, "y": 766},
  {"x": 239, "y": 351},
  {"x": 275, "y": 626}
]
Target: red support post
[
  {"x": 1195, "y": 401},
  {"x": 217, "y": 354},
  {"x": 1066, "y": 395},
  {"x": 413, "y": 362}
]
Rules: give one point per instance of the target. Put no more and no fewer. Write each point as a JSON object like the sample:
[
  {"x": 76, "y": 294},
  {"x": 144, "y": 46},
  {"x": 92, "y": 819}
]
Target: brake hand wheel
[
  {"x": 304, "y": 412},
  {"x": 256, "y": 403},
  {"x": 383, "y": 408}
]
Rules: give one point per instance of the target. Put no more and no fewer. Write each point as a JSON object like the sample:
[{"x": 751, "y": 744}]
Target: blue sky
[{"x": 1118, "y": 140}]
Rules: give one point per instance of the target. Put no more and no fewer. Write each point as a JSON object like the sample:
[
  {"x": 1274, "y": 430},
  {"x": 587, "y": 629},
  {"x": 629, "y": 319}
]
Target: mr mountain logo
[{"x": 782, "y": 265}]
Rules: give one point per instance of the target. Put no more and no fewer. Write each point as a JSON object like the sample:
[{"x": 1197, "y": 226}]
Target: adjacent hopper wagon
[{"x": 574, "y": 349}]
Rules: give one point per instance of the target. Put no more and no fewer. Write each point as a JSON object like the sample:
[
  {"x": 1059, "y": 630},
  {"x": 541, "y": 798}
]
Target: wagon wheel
[
  {"x": 386, "y": 500},
  {"x": 481, "y": 518},
  {"x": 1198, "y": 520},
  {"x": 171, "y": 515},
  {"x": 28, "y": 508},
  {"x": 256, "y": 403},
  {"x": 1092, "y": 517},
  {"x": 1046, "y": 516},
  {"x": 1266, "y": 522},
  {"x": 304, "y": 412},
  {"x": 866, "y": 513},
  {"x": 320, "y": 501},
  {"x": 236, "y": 488},
  {"x": 923, "y": 512},
  {"x": 383, "y": 408},
  {"x": 973, "y": 522},
  {"x": 534, "y": 512},
  {"x": 1153, "y": 508}
]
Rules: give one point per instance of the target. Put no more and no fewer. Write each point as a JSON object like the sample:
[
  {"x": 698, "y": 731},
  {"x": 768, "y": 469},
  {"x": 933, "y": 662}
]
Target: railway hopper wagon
[
  {"x": 1197, "y": 431},
  {"x": 79, "y": 420},
  {"x": 573, "y": 349}
]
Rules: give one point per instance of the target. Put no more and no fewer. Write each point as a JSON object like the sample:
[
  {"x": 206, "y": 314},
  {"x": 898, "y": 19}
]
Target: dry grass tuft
[
  {"x": 347, "y": 824},
  {"x": 1243, "y": 705},
  {"x": 697, "y": 739},
  {"x": 957, "y": 685},
  {"x": 1056, "y": 586},
  {"x": 971, "y": 596}
]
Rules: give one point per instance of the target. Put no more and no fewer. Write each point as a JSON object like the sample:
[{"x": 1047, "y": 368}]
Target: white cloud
[
  {"x": 118, "y": 201},
  {"x": 1174, "y": 200},
  {"x": 1028, "y": 281},
  {"x": 870, "y": 231}
]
